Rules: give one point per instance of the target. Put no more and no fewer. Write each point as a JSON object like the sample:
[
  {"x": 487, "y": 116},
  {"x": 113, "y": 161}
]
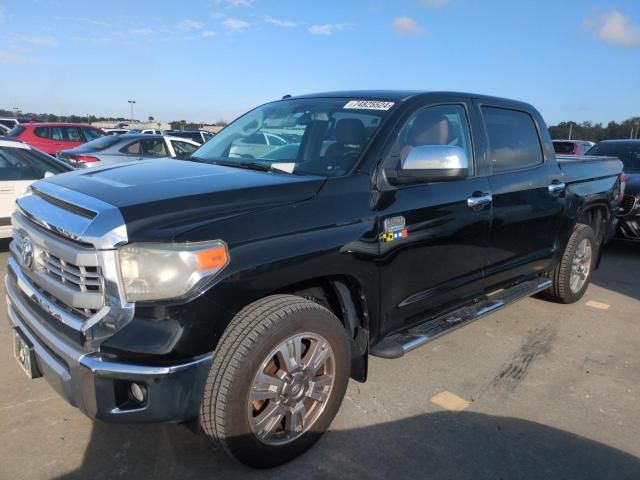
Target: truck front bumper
[{"x": 101, "y": 387}]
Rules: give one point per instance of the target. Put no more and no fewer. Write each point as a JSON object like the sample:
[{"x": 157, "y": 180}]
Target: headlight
[{"x": 159, "y": 271}]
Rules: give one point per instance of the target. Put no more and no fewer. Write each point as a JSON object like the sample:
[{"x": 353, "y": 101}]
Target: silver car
[{"x": 126, "y": 148}]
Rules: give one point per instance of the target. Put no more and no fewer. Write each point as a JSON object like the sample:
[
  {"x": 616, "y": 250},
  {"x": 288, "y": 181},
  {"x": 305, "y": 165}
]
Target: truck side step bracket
[{"x": 398, "y": 344}]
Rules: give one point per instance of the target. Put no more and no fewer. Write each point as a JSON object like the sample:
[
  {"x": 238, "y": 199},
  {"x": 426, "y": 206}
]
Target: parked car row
[
  {"x": 200, "y": 136},
  {"x": 127, "y": 148},
  {"x": 53, "y": 137}
]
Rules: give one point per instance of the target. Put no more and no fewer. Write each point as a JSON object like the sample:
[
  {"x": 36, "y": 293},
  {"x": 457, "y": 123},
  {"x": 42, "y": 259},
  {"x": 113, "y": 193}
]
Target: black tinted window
[
  {"x": 563, "y": 147},
  {"x": 628, "y": 152},
  {"x": 513, "y": 139},
  {"x": 42, "y": 132}
]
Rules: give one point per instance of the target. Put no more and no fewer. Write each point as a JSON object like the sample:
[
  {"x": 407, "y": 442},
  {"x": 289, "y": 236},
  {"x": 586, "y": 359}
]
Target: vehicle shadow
[
  {"x": 463, "y": 446},
  {"x": 618, "y": 269},
  {"x": 4, "y": 244}
]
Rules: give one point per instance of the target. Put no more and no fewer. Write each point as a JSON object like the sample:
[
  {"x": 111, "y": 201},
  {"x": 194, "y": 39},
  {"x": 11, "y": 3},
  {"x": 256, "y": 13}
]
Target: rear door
[
  {"x": 438, "y": 257},
  {"x": 528, "y": 194}
]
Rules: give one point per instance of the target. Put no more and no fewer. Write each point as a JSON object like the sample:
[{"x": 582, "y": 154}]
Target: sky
[{"x": 207, "y": 60}]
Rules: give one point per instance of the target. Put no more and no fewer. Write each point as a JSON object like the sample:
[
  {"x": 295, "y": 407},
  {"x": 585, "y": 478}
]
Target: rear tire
[
  {"x": 572, "y": 275},
  {"x": 278, "y": 378}
]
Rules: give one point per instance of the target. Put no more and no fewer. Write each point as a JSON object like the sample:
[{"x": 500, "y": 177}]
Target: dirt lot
[{"x": 553, "y": 393}]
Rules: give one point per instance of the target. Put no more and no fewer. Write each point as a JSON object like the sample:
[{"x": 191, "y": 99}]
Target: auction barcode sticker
[{"x": 369, "y": 105}]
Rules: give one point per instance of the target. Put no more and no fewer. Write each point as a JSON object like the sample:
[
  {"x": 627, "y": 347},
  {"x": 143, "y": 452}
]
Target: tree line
[
  {"x": 630, "y": 128},
  {"x": 51, "y": 117}
]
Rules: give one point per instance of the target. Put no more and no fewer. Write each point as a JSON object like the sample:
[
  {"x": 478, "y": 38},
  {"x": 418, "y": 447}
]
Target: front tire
[
  {"x": 278, "y": 378},
  {"x": 572, "y": 275}
]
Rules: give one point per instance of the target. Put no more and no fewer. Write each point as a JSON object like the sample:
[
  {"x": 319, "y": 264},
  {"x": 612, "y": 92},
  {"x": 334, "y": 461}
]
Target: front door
[{"x": 433, "y": 238}]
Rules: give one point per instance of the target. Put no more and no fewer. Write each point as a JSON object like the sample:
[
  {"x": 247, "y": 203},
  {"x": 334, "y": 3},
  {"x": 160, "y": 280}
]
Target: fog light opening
[{"x": 138, "y": 392}]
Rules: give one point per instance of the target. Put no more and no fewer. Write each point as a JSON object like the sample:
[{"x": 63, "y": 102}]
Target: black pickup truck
[{"x": 243, "y": 288}]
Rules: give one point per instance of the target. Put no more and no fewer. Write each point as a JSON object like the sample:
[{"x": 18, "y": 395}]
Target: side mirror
[{"x": 435, "y": 163}]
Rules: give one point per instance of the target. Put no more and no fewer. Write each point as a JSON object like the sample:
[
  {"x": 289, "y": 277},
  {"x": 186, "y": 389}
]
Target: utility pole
[
  {"x": 131, "y": 102},
  {"x": 570, "y": 130}
]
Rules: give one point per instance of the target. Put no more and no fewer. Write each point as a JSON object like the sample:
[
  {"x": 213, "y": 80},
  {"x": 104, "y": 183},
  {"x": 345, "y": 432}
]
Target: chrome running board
[{"x": 396, "y": 345}]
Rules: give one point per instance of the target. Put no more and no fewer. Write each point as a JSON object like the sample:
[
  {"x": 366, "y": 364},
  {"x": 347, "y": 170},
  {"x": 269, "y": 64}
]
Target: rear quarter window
[{"x": 513, "y": 139}]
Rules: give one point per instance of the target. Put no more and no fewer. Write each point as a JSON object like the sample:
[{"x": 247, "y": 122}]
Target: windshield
[
  {"x": 627, "y": 152},
  {"x": 15, "y": 132},
  {"x": 316, "y": 136}
]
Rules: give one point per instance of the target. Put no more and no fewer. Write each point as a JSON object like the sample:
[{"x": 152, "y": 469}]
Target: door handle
[
  {"x": 478, "y": 200},
  {"x": 8, "y": 189},
  {"x": 556, "y": 188}
]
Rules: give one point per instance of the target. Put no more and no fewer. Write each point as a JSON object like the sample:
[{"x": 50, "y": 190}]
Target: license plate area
[{"x": 25, "y": 355}]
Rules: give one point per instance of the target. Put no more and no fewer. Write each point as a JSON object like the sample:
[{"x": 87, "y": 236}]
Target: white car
[
  {"x": 21, "y": 165},
  {"x": 4, "y": 129},
  {"x": 256, "y": 145},
  {"x": 9, "y": 122}
]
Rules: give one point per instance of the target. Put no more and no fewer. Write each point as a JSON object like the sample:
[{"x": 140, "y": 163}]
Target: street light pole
[{"x": 131, "y": 102}]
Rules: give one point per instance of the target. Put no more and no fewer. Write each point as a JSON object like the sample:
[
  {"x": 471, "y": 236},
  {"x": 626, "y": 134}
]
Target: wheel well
[
  {"x": 345, "y": 299},
  {"x": 597, "y": 217}
]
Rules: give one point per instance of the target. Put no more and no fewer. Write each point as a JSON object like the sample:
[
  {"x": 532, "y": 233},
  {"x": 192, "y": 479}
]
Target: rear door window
[
  {"x": 57, "y": 133},
  {"x": 513, "y": 139},
  {"x": 74, "y": 135},
  {"x": 42, "y": 132},
  {"x": 154, "y": 147},
  {"x": 132, "y": 149}
]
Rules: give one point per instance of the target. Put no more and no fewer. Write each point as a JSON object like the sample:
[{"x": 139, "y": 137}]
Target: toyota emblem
[{"x": 26, "y": 251}]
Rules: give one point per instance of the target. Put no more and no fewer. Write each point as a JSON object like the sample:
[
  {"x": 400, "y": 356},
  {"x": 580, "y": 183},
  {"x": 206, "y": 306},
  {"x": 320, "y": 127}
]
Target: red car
[
  {"x": 53, "y": 137},
  {"x": 572, "y": 147}
]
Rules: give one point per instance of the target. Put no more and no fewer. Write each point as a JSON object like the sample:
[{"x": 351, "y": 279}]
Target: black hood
[{"x": 160, "y": 199}]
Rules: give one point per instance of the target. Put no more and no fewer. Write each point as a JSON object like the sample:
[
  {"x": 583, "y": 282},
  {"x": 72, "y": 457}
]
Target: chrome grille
[
  {"x": 66, "y": 273},
  {"x": 80, "y": 277},
  {"x": 628, "y": 202}
]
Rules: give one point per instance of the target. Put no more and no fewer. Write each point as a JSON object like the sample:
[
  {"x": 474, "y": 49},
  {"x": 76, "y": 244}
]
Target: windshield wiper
[
  {"x": 248, "y": 165},
  {"x": 242, "y": 164}
]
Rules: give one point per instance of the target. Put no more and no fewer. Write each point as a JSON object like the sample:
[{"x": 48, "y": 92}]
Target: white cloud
[
  {"x": 136, "y": 32},
  {"x": 235, "y": 24},
  {"x": 208, "y": 33},
  {"x": 615, "y": 28},
  {"x": 16, "y": 58},
  {"x": 189, "y": 24},
  {"x": 407, "y": 26},
  {"x": 235, "y": 3},
  {"x": 328, "y": 28},
  {"x": 47, "y": 41},
  {"x": 436, "y": 3},
  {"x": 279, "y": 22}
]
